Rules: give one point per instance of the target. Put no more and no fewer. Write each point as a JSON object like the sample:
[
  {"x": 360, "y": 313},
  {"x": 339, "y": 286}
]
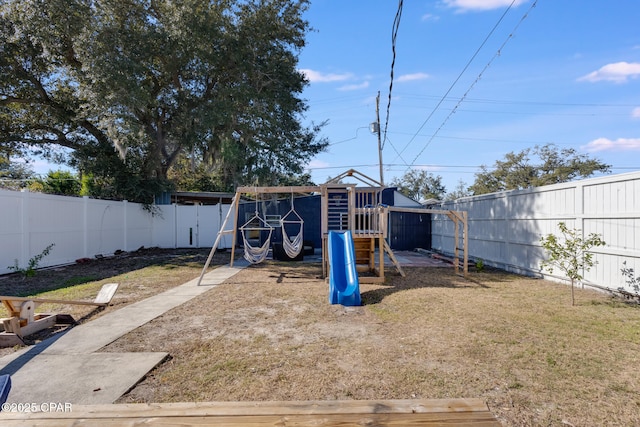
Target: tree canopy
[
  {"x": 517, "y": 171},
  {"x": 125, "y": 90},
  {"x": 14, "y": 175},
  {"x": 420, "y": 185},
  {"x": 60, "y": 182}
]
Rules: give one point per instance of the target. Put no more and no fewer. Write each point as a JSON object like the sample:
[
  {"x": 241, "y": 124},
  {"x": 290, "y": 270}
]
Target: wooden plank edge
[
  {"x": 106, "y": 293},
  {"x": 481, "y": 419},
  {"x": 280, "y": 408},
  {"x": 49, "y": 300}
]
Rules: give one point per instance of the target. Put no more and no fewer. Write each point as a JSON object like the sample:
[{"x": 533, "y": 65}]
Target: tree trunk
[{"x": 573, "y": 299}]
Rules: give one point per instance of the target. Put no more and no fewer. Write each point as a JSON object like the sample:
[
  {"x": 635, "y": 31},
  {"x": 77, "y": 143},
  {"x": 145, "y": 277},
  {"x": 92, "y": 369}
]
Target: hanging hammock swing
[
  {"x": 292, "y": 247},
  {"x": 257, "y": 254}
]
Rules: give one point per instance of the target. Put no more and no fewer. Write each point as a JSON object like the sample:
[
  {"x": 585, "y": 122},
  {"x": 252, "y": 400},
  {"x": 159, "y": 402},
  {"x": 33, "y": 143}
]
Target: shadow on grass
[{"x": 433, "y": 277}]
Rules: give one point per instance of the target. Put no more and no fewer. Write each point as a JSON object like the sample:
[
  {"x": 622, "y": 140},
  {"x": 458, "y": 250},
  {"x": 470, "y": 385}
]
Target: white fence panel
[
  {"x": 187, "y": 226},
  {"x": 11, "y": 226},
  {"x": 190, "y": 226},
  {"x": 505, "y": 228},
  {"x": 104, "y": 228},
  {"x": 164, "y": 227},
  {"x": 137, "y": 227},
  {"x": 59, "y": 223},
  {"x": 80, "y": 227},
  {"x": 210, "y": 221}
]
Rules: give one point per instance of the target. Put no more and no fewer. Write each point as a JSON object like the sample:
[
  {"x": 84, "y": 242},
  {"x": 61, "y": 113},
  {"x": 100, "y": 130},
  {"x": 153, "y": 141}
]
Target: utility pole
[{"x": 379, "y": 137}]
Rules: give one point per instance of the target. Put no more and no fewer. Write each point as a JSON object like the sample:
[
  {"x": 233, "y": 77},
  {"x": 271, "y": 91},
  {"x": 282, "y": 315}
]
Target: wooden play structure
[
  {"x": 343, "y": 207},
  {"x": 24, "y": 321}
]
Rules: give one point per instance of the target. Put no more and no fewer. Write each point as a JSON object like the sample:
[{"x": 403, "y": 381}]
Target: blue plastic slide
[{"x": 344, "y": 287}]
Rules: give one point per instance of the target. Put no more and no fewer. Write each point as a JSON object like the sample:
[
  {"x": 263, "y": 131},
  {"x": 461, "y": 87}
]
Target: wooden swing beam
[{"x": 235, "y": 207}]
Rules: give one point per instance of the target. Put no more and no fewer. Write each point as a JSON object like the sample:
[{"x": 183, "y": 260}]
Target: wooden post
[
  {"x": 219, "y": 236},
  {"x": 465, "y": 228},
  {"x": 455, "y": 247},
  {"x": 235, "y": 229},
  {"x": 324, "y": 227}
]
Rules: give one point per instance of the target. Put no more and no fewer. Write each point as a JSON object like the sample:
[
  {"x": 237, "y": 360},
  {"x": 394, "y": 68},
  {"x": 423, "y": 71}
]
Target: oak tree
[
  {"x": 550, "y": 165},
  {"x": 420, "y": 185},
  {"x": 124, "y": 89}
]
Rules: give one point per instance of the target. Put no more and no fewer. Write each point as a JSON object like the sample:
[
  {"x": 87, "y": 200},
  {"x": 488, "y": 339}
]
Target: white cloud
[
  {"x": 620, "y": 144},
  {"x": 317, "y": 164},
  {"x": 358, "y": 86},
  {"x": 635, "y": 113},
  {"x": 319, "y": 77},
  {"x": 430, "y": 17},
  {"x": 618, "y": 72},
  {"x": 467, "y": 5},
  {"x": 413, "y": 77}
]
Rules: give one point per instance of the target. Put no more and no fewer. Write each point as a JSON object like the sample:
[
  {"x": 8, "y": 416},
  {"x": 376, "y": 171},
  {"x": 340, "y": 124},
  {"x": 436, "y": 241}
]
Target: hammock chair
[
  {"x": 252, "y": 254},
  {"x": 292, "y": 247}
]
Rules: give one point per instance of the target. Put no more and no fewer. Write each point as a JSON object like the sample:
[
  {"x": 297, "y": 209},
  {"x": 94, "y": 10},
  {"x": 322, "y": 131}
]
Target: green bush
[{"x": 33, "y": 263}]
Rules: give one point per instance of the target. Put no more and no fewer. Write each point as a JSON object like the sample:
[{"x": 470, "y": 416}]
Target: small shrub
[
  {"x": 479, "y": 264},
  {"x": 33, "y": 263},
  {"x": 570, "y": 254},
  {"x": 632, "y": 281}
]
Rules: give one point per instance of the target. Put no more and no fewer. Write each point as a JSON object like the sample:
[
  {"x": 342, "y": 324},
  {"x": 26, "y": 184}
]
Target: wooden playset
[{"x": 343, "y": 207}]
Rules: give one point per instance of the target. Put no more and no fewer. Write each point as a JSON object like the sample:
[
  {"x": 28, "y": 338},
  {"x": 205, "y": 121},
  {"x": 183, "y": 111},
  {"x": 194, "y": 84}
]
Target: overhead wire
[
  {"x": 464, "y": 69},
  {"x": 477, "y": 79},
  {"x": 394, "y": 36}
]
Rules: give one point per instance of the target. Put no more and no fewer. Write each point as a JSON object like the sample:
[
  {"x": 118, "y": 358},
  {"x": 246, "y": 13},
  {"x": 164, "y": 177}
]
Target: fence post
[
  {"x": 175, "y": 225},
  {"x": 198, "y": 225},
  {"x": 126, "y": 226},
  {"x": 85, "y": 226},
  {"x": 24, "y": 225}
]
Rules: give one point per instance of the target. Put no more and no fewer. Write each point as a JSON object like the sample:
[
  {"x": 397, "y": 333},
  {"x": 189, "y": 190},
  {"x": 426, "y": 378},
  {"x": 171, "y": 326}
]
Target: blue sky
[{"x": 473, "y": 80}]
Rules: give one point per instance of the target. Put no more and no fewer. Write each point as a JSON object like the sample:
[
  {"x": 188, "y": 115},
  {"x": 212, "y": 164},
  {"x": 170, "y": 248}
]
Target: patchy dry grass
[
  {"x": 269, "y": 333},
  {"x": 140, "y": 274}
]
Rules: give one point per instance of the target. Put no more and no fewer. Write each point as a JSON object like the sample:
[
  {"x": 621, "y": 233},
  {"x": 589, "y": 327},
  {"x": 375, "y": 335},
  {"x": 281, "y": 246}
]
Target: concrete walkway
[{"x": 68, "y": 367}]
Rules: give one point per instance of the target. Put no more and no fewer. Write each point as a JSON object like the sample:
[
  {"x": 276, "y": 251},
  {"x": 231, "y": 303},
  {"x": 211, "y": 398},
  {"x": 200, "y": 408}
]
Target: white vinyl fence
[
  {"x": 505, "y": 228},
  {"x": 80, "y": 227}
]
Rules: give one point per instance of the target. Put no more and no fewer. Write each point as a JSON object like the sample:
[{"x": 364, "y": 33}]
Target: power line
[
  {"x": 506, "y": 141},
  {"x": 394, "y": 35},
  {"x": 498, "y": 52},
  {"x": 516, "y": 102},
  {"x": 439, "y": 167},
  {"x": 348, "y": 139},
  {"x": 459, "y": 76}
]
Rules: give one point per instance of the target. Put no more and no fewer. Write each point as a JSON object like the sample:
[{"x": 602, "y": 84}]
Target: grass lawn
[{"x": 269, "y": 333}]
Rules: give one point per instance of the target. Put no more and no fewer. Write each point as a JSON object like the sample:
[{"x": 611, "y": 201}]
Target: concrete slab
[
  {"x": 80, "y": 379},
  {"x": 416, "y": 259}
]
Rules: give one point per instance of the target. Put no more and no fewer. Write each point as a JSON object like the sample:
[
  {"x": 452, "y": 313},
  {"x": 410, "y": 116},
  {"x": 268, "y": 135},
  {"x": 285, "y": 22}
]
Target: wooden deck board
[{"x": 439, "y": 412}]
